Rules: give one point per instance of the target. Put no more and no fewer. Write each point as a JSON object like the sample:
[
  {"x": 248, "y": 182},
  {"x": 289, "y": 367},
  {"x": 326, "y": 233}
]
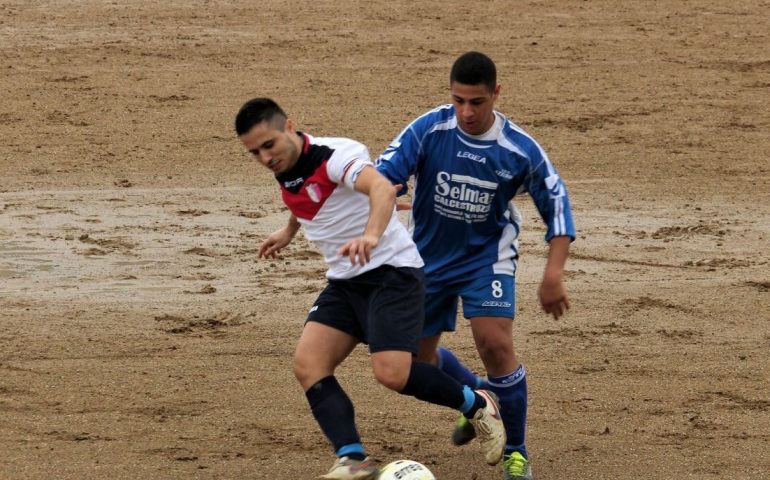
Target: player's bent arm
[
  {"x": 382, "y": 200},
  {"x": 279, "y": 239}
]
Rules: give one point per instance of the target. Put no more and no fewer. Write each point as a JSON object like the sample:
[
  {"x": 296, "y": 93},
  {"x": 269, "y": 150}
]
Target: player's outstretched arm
[
  {"x": 552, "y": 292},
  {"x": 277, "y": 240},
  {"x": 382, "y": 200}
]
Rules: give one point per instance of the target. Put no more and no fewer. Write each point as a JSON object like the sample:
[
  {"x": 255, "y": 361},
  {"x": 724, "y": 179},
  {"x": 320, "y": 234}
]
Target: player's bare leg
[
  {"x": 391, "y": 368},
  {"x": 506, "y": 377},
  {"x": 320, "y": 350},
  {"x": 494, "y": 341}
]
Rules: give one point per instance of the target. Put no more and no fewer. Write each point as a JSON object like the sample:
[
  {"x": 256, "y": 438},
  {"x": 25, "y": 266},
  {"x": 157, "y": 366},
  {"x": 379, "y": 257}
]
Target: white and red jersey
[{"x": 319, "y": 191}]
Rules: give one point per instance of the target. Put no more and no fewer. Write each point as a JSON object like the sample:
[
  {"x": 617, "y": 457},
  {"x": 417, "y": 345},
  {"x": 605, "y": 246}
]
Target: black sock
[
  {"x": 334, "y": 412},
  {"x": 426, "y": 382},
  {"x": 479, "y": 402}
]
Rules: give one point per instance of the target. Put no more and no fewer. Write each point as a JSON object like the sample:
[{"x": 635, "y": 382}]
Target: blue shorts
[
  {"x": 383, "y": 308},
  {"x": 488, "y": 295}
]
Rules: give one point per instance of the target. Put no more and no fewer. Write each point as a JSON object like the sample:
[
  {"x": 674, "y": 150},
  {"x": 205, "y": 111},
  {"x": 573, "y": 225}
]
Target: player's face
[
  {"x": 275, "y": 147},
  {"x": 474, "y": 105}
]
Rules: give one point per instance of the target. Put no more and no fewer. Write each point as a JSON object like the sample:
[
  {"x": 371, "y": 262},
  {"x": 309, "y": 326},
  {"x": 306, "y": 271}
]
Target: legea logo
[{"x": 471, "y": 156}]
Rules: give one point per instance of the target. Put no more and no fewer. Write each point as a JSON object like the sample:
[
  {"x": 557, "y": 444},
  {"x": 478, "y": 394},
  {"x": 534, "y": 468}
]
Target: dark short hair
[
  {"x": 256, "y": 111},
  {"x": 474, "y": 68}
]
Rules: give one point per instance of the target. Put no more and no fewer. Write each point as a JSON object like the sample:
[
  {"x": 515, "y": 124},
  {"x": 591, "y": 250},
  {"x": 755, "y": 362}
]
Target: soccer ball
[{"x": 405, "y": 470}]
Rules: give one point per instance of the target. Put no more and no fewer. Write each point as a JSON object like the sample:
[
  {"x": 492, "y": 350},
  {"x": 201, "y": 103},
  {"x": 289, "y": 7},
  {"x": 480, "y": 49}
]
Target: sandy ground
[{"x": 141, "y": 337}]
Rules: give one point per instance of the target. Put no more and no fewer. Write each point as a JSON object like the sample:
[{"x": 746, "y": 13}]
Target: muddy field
[{"x": 141, "y": 337}]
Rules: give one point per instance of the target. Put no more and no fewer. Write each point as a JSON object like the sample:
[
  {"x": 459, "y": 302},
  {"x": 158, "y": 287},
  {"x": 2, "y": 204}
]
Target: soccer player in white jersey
[
  {"x": 375, "y": 292},
  {"x": 469, "y": 162}
]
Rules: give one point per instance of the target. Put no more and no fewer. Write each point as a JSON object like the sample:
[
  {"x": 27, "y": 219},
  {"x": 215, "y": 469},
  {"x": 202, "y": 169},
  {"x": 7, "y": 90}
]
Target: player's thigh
[
  {"x": 321, "y": 347},
  {"x": 330, "y": 333},
  {"x": 491, "y": 333},
  {"x": 396, "y": 310},
  {"x": 489, "y": 303}
]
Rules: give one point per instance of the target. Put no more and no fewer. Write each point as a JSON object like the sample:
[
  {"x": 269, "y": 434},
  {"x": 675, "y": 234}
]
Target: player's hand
[
  {"x": 359, "y": 249},
  {"x": 553, "y": 296},
  {"x": 401, "y": 205},
  {"x": 274, "y": 242}
]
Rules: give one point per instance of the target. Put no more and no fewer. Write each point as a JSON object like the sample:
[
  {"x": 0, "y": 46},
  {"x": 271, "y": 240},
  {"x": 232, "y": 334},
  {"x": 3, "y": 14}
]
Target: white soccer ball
[{"x": 405, "y": 470}]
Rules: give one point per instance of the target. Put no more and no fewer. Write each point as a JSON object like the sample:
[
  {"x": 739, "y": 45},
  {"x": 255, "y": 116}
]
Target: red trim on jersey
[
  {"x": 347, "y": 167},
  {"x": 306, "y": 144},
  {"x": 311, "y": 197}
]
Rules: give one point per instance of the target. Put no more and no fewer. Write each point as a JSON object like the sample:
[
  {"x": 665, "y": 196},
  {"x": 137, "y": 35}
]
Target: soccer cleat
[
  {"x": 489, "y": 428},
  {"x": 516, "y": 467},
  {"x": 348, "y": 469},
  {"x": 463, "y": 432}
]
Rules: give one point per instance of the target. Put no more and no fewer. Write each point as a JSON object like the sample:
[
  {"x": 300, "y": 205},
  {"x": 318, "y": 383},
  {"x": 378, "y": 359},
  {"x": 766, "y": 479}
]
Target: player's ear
[
  {"x": 288, "y": 127},
  {"x": 496, "y": 91}
]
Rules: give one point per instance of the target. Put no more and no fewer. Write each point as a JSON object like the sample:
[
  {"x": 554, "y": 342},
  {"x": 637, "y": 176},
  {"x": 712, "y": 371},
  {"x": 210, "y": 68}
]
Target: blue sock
[
  {"x": 354, "y": 451},
  {"x": 334, "y": 412},
  {"x": 452, "y": 366},
  {"x": 473, "y": 401},
  {"x": 511, "y": 389}
]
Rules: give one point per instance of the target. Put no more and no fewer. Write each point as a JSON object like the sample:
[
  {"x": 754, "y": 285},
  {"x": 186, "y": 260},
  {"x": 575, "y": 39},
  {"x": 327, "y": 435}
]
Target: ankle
[{"x": 478, "y": 403}]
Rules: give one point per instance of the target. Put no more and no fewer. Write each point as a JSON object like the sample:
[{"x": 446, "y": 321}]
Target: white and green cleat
[
  {"x": 489, "y": 428},
  {"x": 516, "y": 467}
]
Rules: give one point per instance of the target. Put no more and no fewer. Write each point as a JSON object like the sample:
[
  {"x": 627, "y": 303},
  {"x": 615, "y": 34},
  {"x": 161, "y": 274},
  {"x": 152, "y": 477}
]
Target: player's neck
[{"x": 491, "y": 133}]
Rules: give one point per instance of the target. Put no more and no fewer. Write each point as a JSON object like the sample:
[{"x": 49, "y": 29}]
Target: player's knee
[
  {"x": 494, "y": 350},
  {"x": 305, "y": 367},
  {"x": 391, "y": 375},
  {"x": 300, "y": 369}
]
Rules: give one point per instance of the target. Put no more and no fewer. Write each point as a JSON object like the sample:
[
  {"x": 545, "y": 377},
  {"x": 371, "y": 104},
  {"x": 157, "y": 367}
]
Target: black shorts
[{"x": 384, "y": 307}]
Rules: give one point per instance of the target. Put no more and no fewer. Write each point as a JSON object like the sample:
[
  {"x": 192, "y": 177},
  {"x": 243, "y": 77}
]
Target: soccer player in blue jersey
[{"x": 469, "y": 162}]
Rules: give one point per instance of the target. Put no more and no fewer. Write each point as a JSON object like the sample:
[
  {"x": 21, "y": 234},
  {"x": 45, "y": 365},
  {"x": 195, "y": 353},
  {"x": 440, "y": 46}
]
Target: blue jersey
[{"x": 463, "y": 219}]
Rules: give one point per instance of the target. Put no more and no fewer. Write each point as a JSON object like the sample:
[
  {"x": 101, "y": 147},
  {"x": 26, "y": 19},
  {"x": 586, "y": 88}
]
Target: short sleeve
[{"x": 347, "y": 162}]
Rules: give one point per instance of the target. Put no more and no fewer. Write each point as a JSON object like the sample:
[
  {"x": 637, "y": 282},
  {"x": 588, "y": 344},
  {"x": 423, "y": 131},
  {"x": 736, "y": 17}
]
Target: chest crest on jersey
[
  {"x": 310, "y": 196},
  {"x": 314, "y": 192}
]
